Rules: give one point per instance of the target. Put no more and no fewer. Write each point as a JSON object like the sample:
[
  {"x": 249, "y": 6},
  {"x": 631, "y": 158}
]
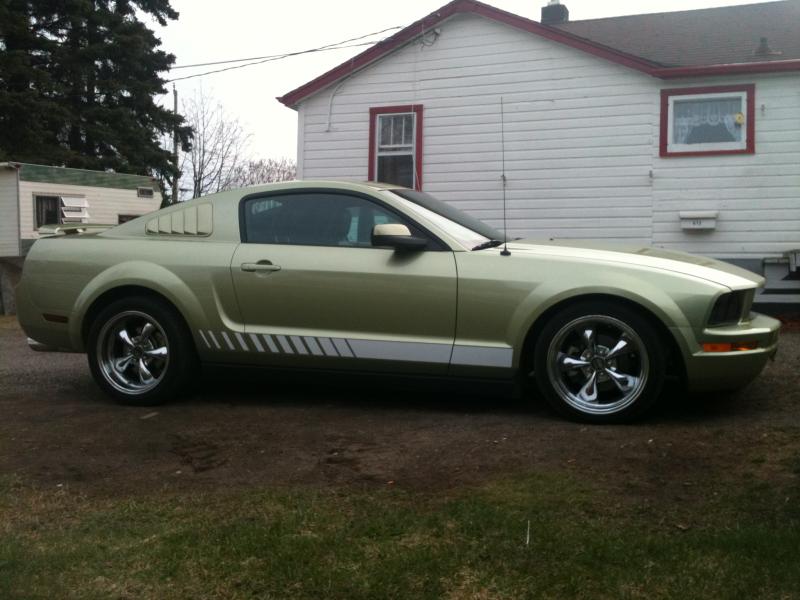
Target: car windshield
[{"x": 467, "y": 230}]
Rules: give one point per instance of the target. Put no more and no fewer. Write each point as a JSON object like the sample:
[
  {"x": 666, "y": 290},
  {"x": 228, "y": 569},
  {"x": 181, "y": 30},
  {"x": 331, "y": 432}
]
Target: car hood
[{"x": 709, "y": 269}]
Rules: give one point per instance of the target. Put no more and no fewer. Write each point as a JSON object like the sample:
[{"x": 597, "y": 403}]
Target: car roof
[{"x": 318, "y": 183}]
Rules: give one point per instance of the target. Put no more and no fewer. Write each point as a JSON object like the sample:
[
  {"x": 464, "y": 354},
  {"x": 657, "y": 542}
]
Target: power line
[
  {"x": 252, "y": 58},
  {"x": 266, "y": 60},
  {"x": 249, "y": 62}
]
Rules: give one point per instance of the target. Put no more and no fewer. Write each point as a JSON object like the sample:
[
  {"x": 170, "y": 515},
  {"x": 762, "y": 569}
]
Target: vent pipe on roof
[
  {"x": 554, "y": 13},
  {"x": 764, "y": 49}
]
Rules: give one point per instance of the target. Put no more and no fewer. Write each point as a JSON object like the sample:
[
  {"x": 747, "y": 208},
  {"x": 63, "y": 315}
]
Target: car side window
[{"x": 316, "y": 219}]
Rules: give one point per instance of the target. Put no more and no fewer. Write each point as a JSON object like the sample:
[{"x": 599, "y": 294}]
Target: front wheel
[
  {"x": 139, "y": 351},
  {"x": 599, "y": 362}
]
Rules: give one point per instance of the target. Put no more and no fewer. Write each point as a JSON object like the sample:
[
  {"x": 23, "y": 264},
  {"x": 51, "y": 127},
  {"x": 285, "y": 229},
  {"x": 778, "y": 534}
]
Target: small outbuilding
[{"x": 33, "y": 196}]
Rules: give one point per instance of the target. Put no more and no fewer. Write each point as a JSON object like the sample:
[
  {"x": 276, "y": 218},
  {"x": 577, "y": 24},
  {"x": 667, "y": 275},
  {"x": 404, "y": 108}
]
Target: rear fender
[{"x": 134, "y": 273}]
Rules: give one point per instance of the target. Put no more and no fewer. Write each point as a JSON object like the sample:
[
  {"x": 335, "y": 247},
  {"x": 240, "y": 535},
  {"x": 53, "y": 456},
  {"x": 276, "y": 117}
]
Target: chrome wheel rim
[
  {"x": 133, "y": 352},
  {"x": 598, "y": 365}
]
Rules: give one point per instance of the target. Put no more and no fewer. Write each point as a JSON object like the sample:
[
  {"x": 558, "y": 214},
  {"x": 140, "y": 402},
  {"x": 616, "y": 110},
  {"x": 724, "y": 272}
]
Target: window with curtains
[
  {"x": 708, "y": 121},
  {"x": 48, "y": 210},
  {"x": 56, "y": 210}
]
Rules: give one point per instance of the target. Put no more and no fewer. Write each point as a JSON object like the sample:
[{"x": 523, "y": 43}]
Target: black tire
[
  {"x": 106, "y": 351},
  {"x": 626, "y": 383}
]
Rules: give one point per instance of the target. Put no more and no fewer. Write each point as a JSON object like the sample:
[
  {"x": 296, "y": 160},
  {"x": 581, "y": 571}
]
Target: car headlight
[{"x": 730, "y": 308}]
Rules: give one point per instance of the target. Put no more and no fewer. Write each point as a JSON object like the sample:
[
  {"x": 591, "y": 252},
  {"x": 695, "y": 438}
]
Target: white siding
[
  {"x": 582, "y": 137},
  {"x": 757, "y": 196},
  {"x": 579, "y": 130},
  {"x": 105, "y": 204},
  {"x": 9, "y": 213}
]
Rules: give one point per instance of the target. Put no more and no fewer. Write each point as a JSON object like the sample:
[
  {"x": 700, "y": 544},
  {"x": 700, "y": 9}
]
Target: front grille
[{"x": 728, "y": 309}]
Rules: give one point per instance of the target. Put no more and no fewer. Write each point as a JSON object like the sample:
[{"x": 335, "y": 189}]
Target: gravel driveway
[{"x": 59, "y": 430}]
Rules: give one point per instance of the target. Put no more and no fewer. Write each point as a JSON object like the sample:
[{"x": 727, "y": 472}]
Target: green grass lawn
[{"x": 388, "y": 543}]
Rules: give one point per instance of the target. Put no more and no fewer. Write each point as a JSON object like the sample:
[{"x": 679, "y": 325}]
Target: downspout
[{"x": 19, "y": 212}]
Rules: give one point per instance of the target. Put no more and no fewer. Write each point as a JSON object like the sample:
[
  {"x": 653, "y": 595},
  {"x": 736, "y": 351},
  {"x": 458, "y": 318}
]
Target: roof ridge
[
  {"x": 104, "y": 172},
  {"x": 631, "y": 57}
]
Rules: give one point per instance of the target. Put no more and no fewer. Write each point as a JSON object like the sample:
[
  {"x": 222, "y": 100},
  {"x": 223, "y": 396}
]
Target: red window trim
[
  {"x": 373, "y": 138},
  {"x": 749, "y": 88}
]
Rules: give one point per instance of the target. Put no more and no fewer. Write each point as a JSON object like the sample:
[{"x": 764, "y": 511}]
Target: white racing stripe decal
[
  {"x": 203, "y": 335},
  {"x": 313, "y": 346},
  {"x": 287, "y": 347},
  {"x": 402, "y": 351},
  {"x": 483, "y": 356},
  {"x": 298, "y": 344},
  {"x": 227, "y": 340},
  {"x": 475, "y": 356},
  {"x": 241, "y": 341},
  {"x": 256, "y": 342},
  {"x": 214, "y": 339},
  {"x": 271, "y": 344},
  {"x": 327, "y": 347},
  {"x": 342, "y": 348}
]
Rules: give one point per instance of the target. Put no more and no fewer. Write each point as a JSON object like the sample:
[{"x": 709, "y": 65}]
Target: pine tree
[
  {"x": 78, "y": 82},
  {"x": 30, "y": 114}
]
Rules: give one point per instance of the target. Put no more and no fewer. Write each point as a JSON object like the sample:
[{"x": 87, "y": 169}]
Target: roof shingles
[
  {"x": 705, "y": 42},
  {"x": 712, "y": 36}
]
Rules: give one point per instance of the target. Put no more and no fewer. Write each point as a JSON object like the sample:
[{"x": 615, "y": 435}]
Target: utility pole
[{"x": 177, "y": 176}]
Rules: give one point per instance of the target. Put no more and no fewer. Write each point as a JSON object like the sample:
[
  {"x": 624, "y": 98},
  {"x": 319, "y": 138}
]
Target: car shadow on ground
[
  {"x": 244, "y": 386},
  {"x": 250, "y": 387}
]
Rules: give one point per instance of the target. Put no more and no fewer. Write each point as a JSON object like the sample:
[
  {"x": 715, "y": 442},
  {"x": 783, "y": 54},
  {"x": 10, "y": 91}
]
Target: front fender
[{"x": 678, "y": 302}]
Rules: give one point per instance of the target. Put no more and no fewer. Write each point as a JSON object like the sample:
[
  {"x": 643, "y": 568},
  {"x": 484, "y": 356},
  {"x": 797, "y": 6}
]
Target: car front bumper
[{"x": 724, "y": 371}]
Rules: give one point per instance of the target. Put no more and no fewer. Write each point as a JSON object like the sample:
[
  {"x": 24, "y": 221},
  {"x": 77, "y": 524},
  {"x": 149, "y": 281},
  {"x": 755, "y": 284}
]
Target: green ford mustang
[{"x": 366, "y": 277}]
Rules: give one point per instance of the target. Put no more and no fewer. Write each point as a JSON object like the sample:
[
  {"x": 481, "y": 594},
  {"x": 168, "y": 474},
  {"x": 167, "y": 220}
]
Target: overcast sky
[{"x": 211, "y": 31}]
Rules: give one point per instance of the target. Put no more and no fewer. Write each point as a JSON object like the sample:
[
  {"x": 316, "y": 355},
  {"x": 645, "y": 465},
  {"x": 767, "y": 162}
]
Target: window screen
[{"x": 395, "y": 152}]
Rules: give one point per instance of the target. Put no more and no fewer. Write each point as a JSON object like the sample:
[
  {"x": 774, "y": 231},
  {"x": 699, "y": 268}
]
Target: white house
[
  {"x": 32, "y": 196},
  {"x": 679, "y": 130}
]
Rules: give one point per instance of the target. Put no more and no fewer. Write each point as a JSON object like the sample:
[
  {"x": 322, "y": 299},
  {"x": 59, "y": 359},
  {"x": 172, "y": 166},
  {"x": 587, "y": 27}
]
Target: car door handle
[{"x": 262, "y": 266}]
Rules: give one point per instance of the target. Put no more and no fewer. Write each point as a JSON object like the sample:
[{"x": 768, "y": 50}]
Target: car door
[{"x": 314, "y": 292}]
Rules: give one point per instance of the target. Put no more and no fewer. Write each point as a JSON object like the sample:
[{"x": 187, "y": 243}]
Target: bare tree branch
[
  {"x": 263, "y": 171},
  {"x": 217, "y": 148}
]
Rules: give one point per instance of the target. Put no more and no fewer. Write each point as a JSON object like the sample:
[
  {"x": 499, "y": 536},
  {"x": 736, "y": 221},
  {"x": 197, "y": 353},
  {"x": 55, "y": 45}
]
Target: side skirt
[{"x": 506, "y": 386}]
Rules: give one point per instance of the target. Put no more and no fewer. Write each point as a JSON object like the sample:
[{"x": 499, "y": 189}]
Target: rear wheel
[
  {"x": 599, "y": 362},
  {"x": 140, "y": 352}
]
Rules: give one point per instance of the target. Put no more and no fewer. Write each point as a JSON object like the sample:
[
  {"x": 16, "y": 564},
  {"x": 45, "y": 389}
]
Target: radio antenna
[{"x": 505, "y": 251}]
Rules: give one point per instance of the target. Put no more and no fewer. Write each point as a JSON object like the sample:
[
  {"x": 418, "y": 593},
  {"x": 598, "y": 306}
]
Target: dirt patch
[{"x": 59, "y": 430}]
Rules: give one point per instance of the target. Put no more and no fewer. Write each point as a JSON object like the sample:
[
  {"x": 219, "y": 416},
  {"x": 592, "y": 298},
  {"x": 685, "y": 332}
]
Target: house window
[
  {"x": 55, "y": 210},
  {"x": 702, "y": 121},
  {"x": 48, "y": 210},
  {"x": 125, "y": 218},
  {"x": 395, "y": 137},
  {"x": 145, "y": 192}
]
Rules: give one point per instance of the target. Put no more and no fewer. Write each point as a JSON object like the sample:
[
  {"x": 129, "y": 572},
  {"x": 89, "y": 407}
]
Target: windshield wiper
[{"x": 489, "y": 244}]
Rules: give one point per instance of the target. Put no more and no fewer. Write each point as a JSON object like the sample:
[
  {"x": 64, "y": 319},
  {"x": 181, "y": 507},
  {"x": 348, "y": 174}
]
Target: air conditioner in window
[{"x": 74, "y": 210}]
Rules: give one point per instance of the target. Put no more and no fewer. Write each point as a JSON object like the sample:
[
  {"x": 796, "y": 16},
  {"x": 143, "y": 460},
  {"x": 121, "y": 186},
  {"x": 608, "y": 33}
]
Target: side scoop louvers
[{"x": 194, "y": 220}]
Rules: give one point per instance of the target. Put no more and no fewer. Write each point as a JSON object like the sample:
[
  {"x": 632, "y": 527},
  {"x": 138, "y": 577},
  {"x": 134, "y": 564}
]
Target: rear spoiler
[{"x": 71, "y": 229}]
